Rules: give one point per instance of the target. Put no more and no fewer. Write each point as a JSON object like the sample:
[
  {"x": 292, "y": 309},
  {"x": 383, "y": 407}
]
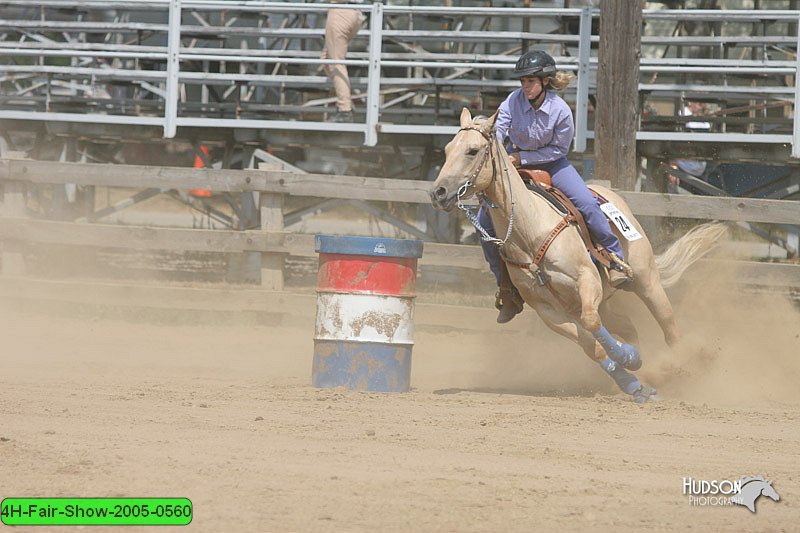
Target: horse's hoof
[
  {"x": 650, "y": 391},
  {"x": 633, "y": 362},
  {"x": 630, "y": 357},
  {"x": 626, "y": 381},
  {"x": 645, "y": 394}
]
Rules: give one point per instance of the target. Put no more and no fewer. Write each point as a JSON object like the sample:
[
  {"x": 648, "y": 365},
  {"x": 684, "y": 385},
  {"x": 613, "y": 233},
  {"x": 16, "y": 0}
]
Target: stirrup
[
  {"x": 618, "y": 280},
  {"x": 621, "y": 266}
]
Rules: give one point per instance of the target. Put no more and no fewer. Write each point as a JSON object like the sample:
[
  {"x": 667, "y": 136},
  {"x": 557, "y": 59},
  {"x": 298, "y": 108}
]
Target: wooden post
[
  {"x": 271, "y": 210},
  {"x": 618, "y": 92},
  {"x": 793, "y": 243},
  {"x": 249, "y": 271},
  {"x": 13, "y": 259}
]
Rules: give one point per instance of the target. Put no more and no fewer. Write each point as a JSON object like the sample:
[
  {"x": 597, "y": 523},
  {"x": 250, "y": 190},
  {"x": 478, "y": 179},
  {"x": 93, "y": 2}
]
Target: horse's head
[{"x": 468, "y": 162}]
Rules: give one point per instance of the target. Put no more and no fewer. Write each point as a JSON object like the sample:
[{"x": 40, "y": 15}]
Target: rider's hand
[{"x": 514, "y": 156}]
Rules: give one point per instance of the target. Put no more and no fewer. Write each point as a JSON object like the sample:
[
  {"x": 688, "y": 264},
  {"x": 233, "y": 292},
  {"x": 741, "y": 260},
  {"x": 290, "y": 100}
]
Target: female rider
[{"x": 536, "y": 126}]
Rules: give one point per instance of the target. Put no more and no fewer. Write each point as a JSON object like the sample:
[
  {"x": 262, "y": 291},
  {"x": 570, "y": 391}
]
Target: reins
[
  {"x": 470, "y": 212},
  {"x": 541, "y": 278}
]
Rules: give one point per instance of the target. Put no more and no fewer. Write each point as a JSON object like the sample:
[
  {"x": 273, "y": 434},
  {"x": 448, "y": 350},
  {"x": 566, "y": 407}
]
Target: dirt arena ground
[{"x": 506, "y": 429}]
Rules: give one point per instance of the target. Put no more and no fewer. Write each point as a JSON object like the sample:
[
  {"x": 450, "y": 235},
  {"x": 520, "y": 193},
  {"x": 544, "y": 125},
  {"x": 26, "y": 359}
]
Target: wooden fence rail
[
  {"x": 15, "y": 228},
  {"x": 302, "y": 245},
  {"x": 365, "y": 188}
]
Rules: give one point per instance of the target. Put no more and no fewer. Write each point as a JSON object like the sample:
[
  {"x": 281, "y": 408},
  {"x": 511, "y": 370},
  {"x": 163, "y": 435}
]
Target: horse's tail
[{"x": 687, "y": 250}]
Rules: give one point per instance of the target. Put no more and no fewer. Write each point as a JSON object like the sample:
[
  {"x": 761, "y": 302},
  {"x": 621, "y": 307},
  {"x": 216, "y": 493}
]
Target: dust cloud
[
  {"x": 740, "y": 346},
  {"x": 100, "y": 400}
]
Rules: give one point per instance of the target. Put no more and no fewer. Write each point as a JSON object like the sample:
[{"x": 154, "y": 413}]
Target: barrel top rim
[{"x": 371, "y": 246}]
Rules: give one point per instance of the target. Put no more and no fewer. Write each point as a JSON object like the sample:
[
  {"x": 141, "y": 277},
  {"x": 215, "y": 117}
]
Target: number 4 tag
[{"x": 621, "y": 221}]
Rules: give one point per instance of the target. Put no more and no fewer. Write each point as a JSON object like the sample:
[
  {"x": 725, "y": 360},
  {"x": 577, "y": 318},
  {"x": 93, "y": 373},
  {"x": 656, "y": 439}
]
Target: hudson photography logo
[{"x": 723, "y": 492}]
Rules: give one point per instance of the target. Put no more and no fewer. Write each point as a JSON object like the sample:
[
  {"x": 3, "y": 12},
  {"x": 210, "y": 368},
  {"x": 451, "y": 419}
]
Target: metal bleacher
[
  {"x": 86, "y": 80},
  {"x": 180, "y": 65}
]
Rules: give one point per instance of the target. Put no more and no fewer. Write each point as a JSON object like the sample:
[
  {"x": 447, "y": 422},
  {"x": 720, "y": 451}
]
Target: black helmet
[{"x": 535, "y": 63}]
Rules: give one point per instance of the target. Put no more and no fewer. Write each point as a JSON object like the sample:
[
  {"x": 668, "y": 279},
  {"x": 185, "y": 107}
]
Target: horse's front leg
[
  {"x": 569, "y": 324},
  {"x": 621, "y": 326},
  {"x": 590, "y": 292},
  {"x": 576, "y": 328}
]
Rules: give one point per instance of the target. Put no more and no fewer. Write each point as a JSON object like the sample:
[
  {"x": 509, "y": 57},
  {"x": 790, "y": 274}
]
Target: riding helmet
[{"x": 535, "y": 63}]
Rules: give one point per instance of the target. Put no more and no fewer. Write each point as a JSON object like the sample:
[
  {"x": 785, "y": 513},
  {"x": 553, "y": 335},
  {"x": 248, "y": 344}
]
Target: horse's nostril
[{"x": 440, "y": 193}]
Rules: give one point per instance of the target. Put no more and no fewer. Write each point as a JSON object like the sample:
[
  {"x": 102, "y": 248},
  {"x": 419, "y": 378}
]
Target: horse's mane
[{"x": 478, "y": 121}]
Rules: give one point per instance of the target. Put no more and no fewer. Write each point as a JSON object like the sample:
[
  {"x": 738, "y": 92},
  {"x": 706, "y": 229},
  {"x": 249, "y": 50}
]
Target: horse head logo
[{"x": 752, "y": 488}]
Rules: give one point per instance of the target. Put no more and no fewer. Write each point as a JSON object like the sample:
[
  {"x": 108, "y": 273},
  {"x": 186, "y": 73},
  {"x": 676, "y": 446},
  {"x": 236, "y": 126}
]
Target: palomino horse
[{"x": 565, "y": 287}]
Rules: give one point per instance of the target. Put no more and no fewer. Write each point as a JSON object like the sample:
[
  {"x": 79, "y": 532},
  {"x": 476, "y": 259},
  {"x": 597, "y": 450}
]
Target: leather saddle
[{"x": 538, "y": 181}]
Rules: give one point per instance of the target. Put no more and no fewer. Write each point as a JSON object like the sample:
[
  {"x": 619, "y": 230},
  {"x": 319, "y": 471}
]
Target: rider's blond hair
[{"x": 561, "y": 80}]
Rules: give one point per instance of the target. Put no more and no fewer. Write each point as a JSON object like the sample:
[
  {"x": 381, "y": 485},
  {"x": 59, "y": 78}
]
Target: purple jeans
[{"x": 567, "y": 180}]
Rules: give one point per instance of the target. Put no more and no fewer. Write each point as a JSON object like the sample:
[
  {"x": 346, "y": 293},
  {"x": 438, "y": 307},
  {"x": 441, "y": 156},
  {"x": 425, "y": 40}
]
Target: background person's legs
[{"x": 341, "y": 27}]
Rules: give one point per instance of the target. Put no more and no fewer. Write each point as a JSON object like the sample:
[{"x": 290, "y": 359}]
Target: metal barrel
[{"x": 365, "y": 312}]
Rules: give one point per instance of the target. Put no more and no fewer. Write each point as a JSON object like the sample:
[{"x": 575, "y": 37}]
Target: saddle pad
[
  {"x": 542, "y": 188},
  {"x": 538, "y": 181}
]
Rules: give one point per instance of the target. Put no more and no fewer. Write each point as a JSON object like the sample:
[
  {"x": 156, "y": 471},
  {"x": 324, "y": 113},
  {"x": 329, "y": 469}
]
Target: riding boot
[
  {"x": 620, "y": 272},
  {"x": 508, "y": 299}
]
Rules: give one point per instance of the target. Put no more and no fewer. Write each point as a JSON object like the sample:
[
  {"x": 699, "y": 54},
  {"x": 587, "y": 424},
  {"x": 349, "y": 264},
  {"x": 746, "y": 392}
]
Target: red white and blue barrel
[{"x": 365, "y": 312}]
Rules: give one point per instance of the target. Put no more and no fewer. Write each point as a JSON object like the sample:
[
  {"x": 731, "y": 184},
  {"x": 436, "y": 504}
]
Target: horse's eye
[{"x": 472, "y": 151}]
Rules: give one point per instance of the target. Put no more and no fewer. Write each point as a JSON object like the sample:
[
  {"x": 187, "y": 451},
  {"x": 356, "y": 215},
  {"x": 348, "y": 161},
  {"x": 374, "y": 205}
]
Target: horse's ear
[
  {"x": 466, "y": 117},
  {"x": 488, "y": 124}
]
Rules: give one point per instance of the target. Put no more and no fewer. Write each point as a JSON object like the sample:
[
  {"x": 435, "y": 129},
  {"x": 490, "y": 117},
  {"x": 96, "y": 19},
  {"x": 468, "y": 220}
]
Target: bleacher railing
[{"x": 253, "y": 65}]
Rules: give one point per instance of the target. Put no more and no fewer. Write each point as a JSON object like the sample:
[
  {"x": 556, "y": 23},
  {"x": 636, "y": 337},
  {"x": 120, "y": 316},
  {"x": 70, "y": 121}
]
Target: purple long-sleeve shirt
[{"x": 539, "y": 135}]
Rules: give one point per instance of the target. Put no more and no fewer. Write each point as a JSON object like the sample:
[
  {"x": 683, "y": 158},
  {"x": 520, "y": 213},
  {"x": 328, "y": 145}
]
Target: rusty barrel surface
[{"x": 365, "y": 312}]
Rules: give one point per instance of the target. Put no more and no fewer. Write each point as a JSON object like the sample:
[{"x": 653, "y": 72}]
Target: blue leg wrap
[
  {"x": 624, "y": 354},
  {"x": 626, "y": 381}
]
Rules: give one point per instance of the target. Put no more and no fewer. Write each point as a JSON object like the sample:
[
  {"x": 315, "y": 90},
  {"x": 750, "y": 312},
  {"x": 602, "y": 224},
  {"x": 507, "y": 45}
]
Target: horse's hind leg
[{"x": 652, "y": 294}]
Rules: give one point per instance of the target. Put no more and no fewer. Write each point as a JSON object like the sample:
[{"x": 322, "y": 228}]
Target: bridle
[
  {"x": 470, "y": 212},
  {"x": 541, "y": 277}
]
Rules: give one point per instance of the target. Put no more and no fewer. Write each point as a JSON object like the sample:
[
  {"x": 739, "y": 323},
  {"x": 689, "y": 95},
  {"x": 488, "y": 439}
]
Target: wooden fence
[{"x": 274, "y": 243}]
